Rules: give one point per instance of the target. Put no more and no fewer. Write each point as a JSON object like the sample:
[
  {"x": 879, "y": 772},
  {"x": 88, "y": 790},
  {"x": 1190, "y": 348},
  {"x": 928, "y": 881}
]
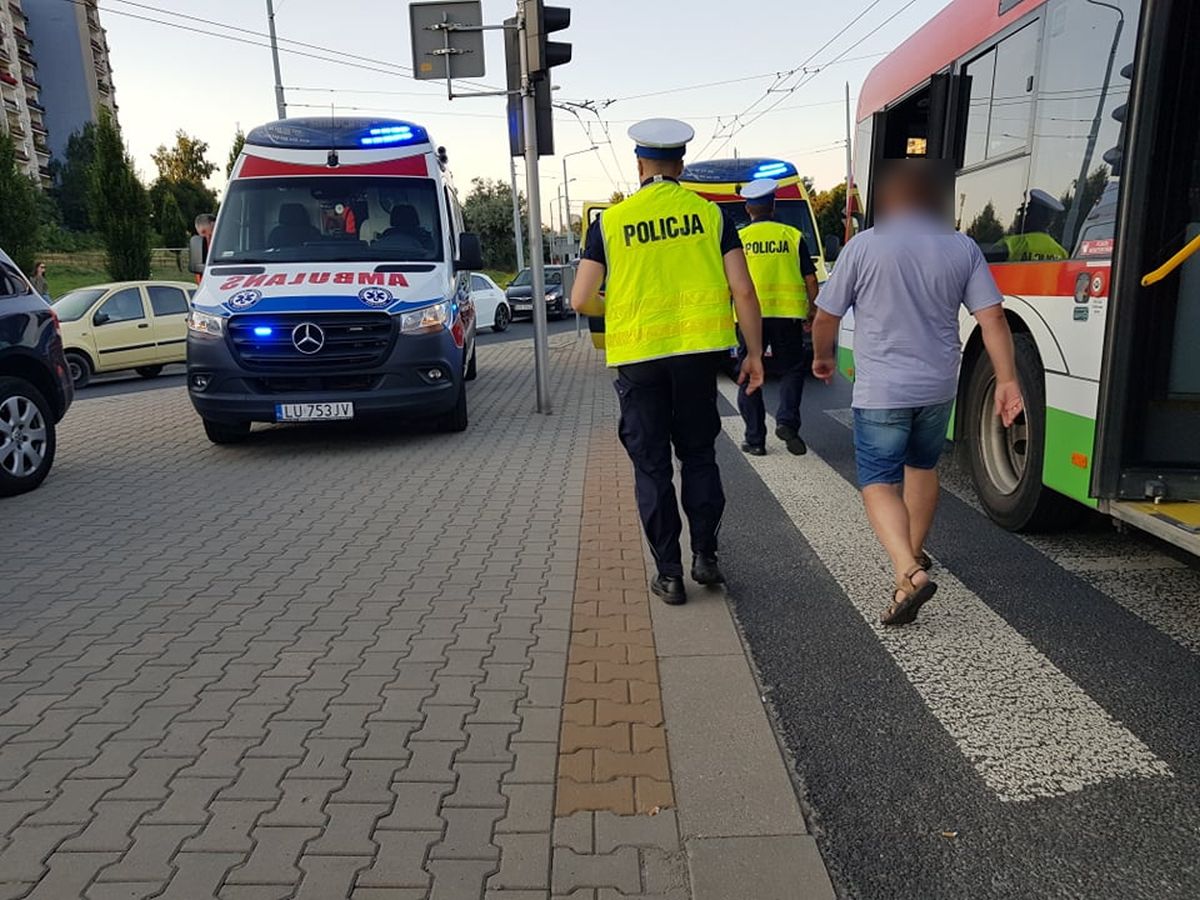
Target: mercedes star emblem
[{"x": 308, "y": 338}]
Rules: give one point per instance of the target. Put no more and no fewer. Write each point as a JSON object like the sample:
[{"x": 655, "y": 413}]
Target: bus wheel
[{"x": 1006, "y": 463}]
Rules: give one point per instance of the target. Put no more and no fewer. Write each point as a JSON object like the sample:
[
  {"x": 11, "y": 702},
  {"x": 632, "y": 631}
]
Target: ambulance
[{"x": 335, "y": 287}]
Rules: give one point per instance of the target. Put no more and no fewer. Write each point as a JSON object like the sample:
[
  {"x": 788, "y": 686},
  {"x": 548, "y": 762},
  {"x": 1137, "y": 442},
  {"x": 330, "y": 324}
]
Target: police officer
[
  {"x": 1034, "y": 243},
  {"x": 672, "y": 261},
  {"x": 785, "y": 280}
]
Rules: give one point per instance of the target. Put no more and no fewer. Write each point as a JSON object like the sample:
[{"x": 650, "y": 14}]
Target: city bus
[{"x": 1073, "y": 127}]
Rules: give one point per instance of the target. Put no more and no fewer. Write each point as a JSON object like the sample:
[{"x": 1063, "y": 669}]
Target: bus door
[{"x": 1149, "y": 436}]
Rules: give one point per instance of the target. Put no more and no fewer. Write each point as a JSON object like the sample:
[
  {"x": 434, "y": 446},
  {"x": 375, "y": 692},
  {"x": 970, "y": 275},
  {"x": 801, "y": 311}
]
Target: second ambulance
[{"x": 335, "y": 286}]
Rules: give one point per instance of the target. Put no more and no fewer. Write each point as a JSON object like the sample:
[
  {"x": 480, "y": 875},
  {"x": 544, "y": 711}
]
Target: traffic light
[
  {"x": 1116, "y": 156},
  {"x": 543, "y": 54},
  {"x": 540, "y": 22}
]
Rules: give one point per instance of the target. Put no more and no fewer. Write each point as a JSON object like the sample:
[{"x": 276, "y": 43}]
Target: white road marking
[
  {"x": 1028, "y": 729},
  {"x": 1127, "y": 568}
]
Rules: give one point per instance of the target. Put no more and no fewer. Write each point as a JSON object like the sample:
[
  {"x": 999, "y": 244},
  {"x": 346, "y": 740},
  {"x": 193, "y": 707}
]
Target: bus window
[
  {"x": 1000, "y": 105},
  {"x": 989, "y": 205}
]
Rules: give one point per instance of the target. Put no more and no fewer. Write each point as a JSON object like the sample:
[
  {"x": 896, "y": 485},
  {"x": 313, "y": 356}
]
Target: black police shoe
[
  {"x": 754, "y": 450},
  {"x": 791, "y": 437},
  {"x": 705, "y": 569},
  {"x": 670, "y": 588}
]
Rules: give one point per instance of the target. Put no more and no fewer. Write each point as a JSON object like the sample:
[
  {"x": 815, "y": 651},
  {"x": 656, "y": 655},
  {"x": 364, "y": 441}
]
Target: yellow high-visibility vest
[
  {"x": 1033, "y": 246},
  {"x": 666, "y": 292},
  {"x": 773, "y": 257}
]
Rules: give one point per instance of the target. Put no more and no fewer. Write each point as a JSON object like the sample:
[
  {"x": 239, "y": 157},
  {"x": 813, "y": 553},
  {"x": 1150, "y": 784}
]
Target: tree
[
  {"x": 173, "y": 227},
  {"x": 71, "y": 179},
  {"x": 987, "y": 228},
  {"x": 118, "y": 204},
  {"x": 829, "y": 207},
  {"x": 185, "y": 161},
  {"x": 617, "y": 197},
  {"x": 19, "y": 221},
  {"x": 239, "y": 141},
  {"x": 487, "y": 212},
  {"x": 191, "y": 197}
]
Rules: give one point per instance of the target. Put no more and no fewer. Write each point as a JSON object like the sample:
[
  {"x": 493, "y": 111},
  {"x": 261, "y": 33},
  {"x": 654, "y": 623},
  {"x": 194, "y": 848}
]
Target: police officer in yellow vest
[
  {"x": 1034, "y": 243},
  {"x": 672, "y": 262},
  {"x": 785, "y": 280}
]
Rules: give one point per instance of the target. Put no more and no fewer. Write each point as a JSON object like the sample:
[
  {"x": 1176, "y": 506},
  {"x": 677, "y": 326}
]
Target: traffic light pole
[
  {"x": 518, "y": 236},
  {"x": 541, "y": 346}
]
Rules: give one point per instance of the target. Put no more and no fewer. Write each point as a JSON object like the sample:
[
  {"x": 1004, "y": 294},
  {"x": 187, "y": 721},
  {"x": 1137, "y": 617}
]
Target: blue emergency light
[
  {"x": 263, "y": 331},
  {"x": 773, "y": 170},
  {"x": 388, "y": 134},
  {"x": 338, "y": 133}
]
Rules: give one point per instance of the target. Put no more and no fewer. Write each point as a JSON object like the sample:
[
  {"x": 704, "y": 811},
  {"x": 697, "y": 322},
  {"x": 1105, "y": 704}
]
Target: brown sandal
[
  {"x": 924, "y": 561},
  {"x": 904, "y": 608}
]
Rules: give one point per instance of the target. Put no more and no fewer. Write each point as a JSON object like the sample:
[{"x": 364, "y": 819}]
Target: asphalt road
[
  {"x": 173, "y": 376},
  {"x": 1037, "y": 734}
]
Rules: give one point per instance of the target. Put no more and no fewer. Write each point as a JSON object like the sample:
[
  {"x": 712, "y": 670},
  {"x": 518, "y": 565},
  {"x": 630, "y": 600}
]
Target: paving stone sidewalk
[{"x": 337, "y": 664}]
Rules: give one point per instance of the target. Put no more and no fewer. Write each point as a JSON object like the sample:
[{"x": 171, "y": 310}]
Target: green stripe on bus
[
  {"x": 1070, "y": 440},
  {"x": 845, "y": 361}
]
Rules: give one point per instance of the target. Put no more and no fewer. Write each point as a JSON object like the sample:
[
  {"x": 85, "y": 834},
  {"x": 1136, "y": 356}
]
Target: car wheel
[
  {"x": 226, "y": 432},
  {"x": 559, "y": 311},
  {"x": 80, "y": 368},
  {"x": 149, "y": 371},
  {"x": 27, "y": 438},
  {"x": 1006, "y": 463},
  {"x": 472, "y": 368},
  {"x": 456, "y": 419},
  {"x": 503, "y": 318}
]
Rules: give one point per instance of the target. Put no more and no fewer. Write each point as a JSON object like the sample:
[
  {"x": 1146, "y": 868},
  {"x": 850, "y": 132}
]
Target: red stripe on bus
[
  {"x": 956, "y": 30},
  {"x": 1048, "y": 279},
  {"x": 258, "y": 167}
]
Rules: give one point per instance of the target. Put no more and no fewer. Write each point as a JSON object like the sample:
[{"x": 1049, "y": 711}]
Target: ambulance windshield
[{"x": 328, "y": 218}]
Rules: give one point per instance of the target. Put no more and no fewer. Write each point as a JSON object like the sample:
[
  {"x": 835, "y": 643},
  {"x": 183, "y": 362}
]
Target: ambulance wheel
[
  {"x": 1006, "y": 463},
  {"x": 226, "y": 432},
  {"x": 149, "y": 371},
  {"x": 472, "y": 369},
  {"x": 456, "y": 419}
]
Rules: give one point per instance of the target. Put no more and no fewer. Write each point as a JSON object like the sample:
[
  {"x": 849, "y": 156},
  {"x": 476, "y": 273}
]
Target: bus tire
[{"x": 1006, "y": 464}]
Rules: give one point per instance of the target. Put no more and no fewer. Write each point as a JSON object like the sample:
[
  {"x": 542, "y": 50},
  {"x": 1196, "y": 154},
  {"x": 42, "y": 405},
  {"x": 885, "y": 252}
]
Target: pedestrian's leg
[
  {"x": 925, "y": 446},
  {"x": 920, "y": 498},
  {"x": 645, "y": 396},
  {"x": 694, "y": 429},
  {"x": 889, "y": 518},
  {"x": 752, "y": 408},
  {"x": 794, "y": 362}
]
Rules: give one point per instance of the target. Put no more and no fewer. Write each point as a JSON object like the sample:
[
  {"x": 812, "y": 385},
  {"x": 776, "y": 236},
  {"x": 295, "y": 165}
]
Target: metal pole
[
  {"x": 567, "y": 196},
  {"x": 518, "y": 236},
  {"x": 848, "y": 231},
  {"x": 541, "y": 349},
  {"x": 280, "y": 105}
]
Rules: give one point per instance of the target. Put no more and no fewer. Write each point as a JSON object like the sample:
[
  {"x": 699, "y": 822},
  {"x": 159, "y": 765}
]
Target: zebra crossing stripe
[
  {"x": 1028, "y": 730},
  {"x": 1155, "y": 587}
]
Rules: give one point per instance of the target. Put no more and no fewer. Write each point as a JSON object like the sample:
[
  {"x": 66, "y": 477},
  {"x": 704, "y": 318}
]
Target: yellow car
[{"x": 139, "y": 325}]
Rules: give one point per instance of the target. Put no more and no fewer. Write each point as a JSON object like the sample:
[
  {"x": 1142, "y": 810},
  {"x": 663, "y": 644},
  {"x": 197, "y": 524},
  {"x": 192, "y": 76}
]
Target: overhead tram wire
[{"x": 741, "y": 126}]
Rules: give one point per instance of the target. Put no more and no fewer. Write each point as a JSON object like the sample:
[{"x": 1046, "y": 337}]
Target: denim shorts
[{"x": 887, "y": 440}]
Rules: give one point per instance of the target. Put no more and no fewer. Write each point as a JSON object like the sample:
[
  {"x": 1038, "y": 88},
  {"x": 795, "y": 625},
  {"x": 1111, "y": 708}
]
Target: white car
[{"x": 491, "y": 306}]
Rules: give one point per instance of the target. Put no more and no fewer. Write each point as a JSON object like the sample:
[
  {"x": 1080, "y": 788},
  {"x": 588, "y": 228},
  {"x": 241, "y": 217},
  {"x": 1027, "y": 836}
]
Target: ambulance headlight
[
  {"x": 204, "y": 324},
  {"x": 429, "y": 318}
]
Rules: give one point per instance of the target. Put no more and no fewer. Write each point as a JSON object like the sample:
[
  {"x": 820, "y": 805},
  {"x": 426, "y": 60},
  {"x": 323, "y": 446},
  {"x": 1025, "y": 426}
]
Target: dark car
[
  {"x": 35, "y": 386},
  {"x": 520, "y": 292}
]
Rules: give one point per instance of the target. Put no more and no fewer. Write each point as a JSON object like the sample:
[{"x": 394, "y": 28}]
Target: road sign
[{"x": 440, "y": 49}]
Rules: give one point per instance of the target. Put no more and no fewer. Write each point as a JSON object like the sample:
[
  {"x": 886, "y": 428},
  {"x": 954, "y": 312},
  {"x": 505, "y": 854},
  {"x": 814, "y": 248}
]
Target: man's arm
[
  {"x": 814, "y": 289},
  {"x": 998, "y": 341},
  {"x": 824, "y": 332},
  {"x": 749, "y": 315},
  {"x": 584, "y": 296}
]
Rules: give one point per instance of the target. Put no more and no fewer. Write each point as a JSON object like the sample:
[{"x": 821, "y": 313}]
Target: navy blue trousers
[
  {"x": 791, "y": 359},
  {"x": 672, "y": 403}
]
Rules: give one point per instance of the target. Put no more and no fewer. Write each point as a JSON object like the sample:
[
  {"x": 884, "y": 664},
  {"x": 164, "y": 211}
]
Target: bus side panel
[
  {"x": 845, "y": 347},
  {"x": 1070, "y": 436}
]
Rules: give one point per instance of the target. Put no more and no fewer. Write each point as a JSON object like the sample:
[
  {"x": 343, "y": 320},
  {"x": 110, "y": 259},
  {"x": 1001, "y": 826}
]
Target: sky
[{"x": 171, "y": 76}]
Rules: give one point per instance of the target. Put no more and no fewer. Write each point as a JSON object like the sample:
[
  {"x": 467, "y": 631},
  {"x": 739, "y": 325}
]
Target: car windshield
[
  {"x": 789, "y": 212},
  {"x": 329, "y": 218},
  {"x": 74, "y": 306},
  {"x": 525, "y": 277}
]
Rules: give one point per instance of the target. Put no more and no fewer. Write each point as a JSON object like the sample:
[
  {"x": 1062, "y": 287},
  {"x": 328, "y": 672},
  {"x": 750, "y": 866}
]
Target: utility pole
[
  {"x": 541, "y": 351},
  {"x": 571, "y": 246},
  {"x": 518, "y": 236},
  {"x": 280, "y": 105},
  {"x": 848, "y": 231}
]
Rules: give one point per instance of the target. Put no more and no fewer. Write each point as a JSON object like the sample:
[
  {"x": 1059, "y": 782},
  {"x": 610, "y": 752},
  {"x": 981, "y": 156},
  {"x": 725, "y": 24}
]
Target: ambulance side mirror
[
  {"x": 833, "y": 246},
  {"x": 470, "y": 253},
  {"x": 197, "y": 254}
]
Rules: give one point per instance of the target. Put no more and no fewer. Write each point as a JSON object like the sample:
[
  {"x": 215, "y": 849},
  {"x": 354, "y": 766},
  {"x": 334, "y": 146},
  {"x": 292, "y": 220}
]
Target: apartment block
[
  {"x": 24, "y": 116},
  {"x": 73, "y": 64}
]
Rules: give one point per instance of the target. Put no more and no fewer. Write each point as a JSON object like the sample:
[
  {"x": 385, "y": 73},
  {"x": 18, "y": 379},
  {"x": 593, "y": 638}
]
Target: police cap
[
  {"x": 661, "y": 138},
  {"x": 760, "y": 192},
  {"x": 1038, "y": 197}
]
